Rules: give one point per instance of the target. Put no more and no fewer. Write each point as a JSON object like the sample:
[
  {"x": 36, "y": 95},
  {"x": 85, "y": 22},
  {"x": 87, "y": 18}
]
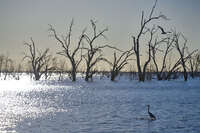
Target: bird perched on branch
[{"x": 163, "y": 31}]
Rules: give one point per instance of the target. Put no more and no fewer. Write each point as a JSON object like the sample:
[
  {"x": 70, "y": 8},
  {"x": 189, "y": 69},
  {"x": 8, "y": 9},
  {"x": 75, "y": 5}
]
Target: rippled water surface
[{"x": 102, "y": 107}]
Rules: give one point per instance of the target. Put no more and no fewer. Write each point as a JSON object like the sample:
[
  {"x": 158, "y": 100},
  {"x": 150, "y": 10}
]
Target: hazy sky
[{"x": 22, "y": 19}]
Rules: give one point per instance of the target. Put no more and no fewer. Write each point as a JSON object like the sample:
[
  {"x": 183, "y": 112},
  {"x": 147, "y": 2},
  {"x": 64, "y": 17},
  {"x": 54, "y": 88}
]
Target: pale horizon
[{"x": 23, "y": 19}]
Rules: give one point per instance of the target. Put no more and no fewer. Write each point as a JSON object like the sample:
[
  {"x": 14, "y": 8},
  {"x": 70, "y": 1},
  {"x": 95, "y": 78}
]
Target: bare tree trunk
[
  {"x": 1, "y": 63},
  {"x": 119, "y": 62},
  {"x": 193, "y": 64},
  {"x": 197, "y": 64},
  {"x": 113, "y": 75},
  {"x": 7, "y": 66},
  {"x": 73, "y": 73},
  {"x": 155, "y": 48},
  {"x": 87, "y": 74},
  {"x": 37, "y": 76},
  {"x": 65, "y": 42},
  {"x": 191, "y": 61},
  {"x": 181, "y": 53},
  {"x": 93, "y": 55},
  {"x": 136, "y": 41},
  {"x": 37, "y": 59}
]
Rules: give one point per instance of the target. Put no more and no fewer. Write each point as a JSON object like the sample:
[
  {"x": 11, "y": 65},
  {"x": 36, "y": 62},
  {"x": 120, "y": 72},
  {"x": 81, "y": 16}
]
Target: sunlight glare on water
[
  {"x": 26, "y": 99},
  {"x": 15, "y": 85},
  {"x": 64, "y": 107}
]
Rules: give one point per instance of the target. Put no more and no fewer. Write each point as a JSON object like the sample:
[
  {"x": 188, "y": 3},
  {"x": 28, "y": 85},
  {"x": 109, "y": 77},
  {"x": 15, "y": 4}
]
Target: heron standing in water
[{"x": 152, "y": 117}]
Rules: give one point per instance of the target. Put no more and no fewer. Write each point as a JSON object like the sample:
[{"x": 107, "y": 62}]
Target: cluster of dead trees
[
  {"x": 9, "y": 68},
  {"x": 168, "y": 39},
  {"x": 160, "y": 45}
]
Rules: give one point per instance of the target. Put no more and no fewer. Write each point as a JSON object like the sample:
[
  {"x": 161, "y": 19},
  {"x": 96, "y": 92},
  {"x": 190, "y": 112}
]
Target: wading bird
[{"x": 152, "y": 117}]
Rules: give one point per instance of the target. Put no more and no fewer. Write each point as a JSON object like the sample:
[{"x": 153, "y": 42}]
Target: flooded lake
[{"x": 99, "y": 107}]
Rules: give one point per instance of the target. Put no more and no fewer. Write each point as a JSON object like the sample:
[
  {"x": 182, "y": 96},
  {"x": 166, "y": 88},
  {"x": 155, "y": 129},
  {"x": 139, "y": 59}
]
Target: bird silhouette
[
  {"x": 162, "y": 30},
  {"x": 152, "y": 117}
]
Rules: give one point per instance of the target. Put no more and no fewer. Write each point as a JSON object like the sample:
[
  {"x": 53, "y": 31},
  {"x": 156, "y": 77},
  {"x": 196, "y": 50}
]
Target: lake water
[{"x": 103, "y": 107}]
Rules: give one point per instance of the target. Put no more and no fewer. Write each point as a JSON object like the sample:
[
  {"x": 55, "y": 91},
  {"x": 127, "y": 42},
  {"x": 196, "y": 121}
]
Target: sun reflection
[
  {"x": 23, "y": 101},
  {"x": 15, "y": 85}
]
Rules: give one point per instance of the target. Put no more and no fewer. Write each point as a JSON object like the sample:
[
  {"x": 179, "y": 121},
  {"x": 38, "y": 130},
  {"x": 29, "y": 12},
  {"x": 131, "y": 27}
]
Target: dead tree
[
  {"x": 49, "y": 67},
  {"x": 182, "y": 52},
  {"x": 191, "y": 65},
  {"x": 197, "y": 64},
  {"x": 168, "y": 42},
  {"x": 1, "y": 63},
  {"x": 68, "y": 52},
  {"x": 36, "y": 58},
  {"x": 61, "y": 69},
  {"x": 8, "y": 66},
  {"x": 173, "y": 69},
  {"x": 142, "y": 71},
  {"x": 194, "y": 63},
  {"x": 93, "y": 53},
  {"x": 137, "y": 40},
  {"x": 119, "y": 63},
  {"x": 57, "y": 66},
  {"x": 18, "y": 72}
]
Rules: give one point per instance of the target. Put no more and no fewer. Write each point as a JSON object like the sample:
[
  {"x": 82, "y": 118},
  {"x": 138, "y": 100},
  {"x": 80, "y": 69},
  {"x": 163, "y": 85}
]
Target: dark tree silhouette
[
  {"x": 143, "y": 32},
  {"x": 93, "y": 52},
  {"x": 8, "y": 66},
  {"x": 49, "y": 67},
  {"x": 194, "y": 64},
  {"x": 68, "y": 52},
  {"x": 168, "y": 42},
  {"x": 182, "y": 59},
  {"x": 119, "y": 63},
  {"x": 182, "y": 52},
  {"x": 37, "y": 59},
  {"x": 1, "y": 63}
]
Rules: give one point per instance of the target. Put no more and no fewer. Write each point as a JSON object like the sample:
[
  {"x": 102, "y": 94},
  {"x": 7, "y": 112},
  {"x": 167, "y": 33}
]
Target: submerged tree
[
  {"x": 8, "y": 66},
  {"x": 93, "y": 52},
  {"x": 137, "y": 40},
  {"x": 168, "y": 44},
  {"x": 68, "y": 52},
  {"x": 181, "y": 60},
  {"x": 36, "y": 58},
  {"x": 49, "y": 67},
  {"x": 1, "y": 63},
  {"x": 197, "y": 64},
  {"x": 194, "y": 64},
  {"x": 62, "y": 67},
  {"x": 182, "y": 52},
  {"x": 119, "y": 63}
]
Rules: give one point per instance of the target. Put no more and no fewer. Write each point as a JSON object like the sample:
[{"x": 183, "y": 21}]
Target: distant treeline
[
  {"x": 65, "y": 75},
  {"x": 154, "y": 51}
]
